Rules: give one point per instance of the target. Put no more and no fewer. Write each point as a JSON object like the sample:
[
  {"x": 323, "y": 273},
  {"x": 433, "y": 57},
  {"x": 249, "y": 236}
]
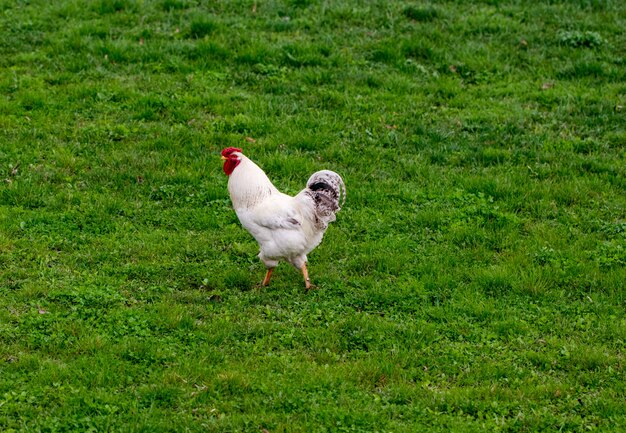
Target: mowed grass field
[{"x": 474, "y": 281}]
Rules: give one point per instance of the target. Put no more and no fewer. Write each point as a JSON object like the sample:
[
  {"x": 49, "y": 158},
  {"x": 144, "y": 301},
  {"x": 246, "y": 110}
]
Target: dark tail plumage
[{"x": 328, "y": 191}]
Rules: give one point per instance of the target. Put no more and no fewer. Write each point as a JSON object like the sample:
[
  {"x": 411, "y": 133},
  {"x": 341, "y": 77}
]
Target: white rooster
[{"x": 286, "y": 228}]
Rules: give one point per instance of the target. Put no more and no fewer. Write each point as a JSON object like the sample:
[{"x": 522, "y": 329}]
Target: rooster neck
[{"x": 248, "y": 185}]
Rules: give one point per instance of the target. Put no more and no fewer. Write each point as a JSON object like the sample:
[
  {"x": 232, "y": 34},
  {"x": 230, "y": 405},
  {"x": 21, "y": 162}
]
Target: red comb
[{"x": 230, "y": 150}]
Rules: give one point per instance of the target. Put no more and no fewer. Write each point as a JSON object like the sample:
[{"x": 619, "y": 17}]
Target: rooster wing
[{"x": 276, "y": 212}]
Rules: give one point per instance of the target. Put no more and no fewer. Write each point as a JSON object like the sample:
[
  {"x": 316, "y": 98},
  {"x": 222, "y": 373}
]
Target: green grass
[{"x": 473, "y": 282}]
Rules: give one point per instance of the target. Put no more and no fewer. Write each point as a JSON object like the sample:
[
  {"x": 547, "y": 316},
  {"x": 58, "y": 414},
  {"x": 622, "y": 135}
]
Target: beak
[{"x": 223, "y": 157}]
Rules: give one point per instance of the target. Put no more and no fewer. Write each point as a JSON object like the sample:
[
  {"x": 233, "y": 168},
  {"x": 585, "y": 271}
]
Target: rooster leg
[
  {"x": 305, "y": 273},
  {"x": 268, "y": 275}
]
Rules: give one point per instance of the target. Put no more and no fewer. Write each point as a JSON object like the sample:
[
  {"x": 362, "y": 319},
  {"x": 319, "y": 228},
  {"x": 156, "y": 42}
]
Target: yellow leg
[
  {"x": 305, "y": 273},
  {"x": 268, "y": 275}
]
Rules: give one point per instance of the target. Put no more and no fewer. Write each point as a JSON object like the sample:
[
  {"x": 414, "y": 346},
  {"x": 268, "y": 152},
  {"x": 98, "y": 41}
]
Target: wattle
[{"x": 229, "y": 166}]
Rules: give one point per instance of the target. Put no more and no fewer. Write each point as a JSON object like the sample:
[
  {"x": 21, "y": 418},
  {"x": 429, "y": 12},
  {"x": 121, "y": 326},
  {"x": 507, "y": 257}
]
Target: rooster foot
[
  {"x": 268, "y": 275},
  {"x": 305, "y": 274}
]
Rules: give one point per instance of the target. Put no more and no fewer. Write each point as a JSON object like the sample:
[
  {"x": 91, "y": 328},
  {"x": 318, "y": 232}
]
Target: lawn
[{"x": 474, "y": 281}]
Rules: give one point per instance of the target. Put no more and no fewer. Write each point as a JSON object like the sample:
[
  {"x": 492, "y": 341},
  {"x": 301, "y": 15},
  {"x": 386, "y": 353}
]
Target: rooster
[{"x": 286, "y": 228}]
